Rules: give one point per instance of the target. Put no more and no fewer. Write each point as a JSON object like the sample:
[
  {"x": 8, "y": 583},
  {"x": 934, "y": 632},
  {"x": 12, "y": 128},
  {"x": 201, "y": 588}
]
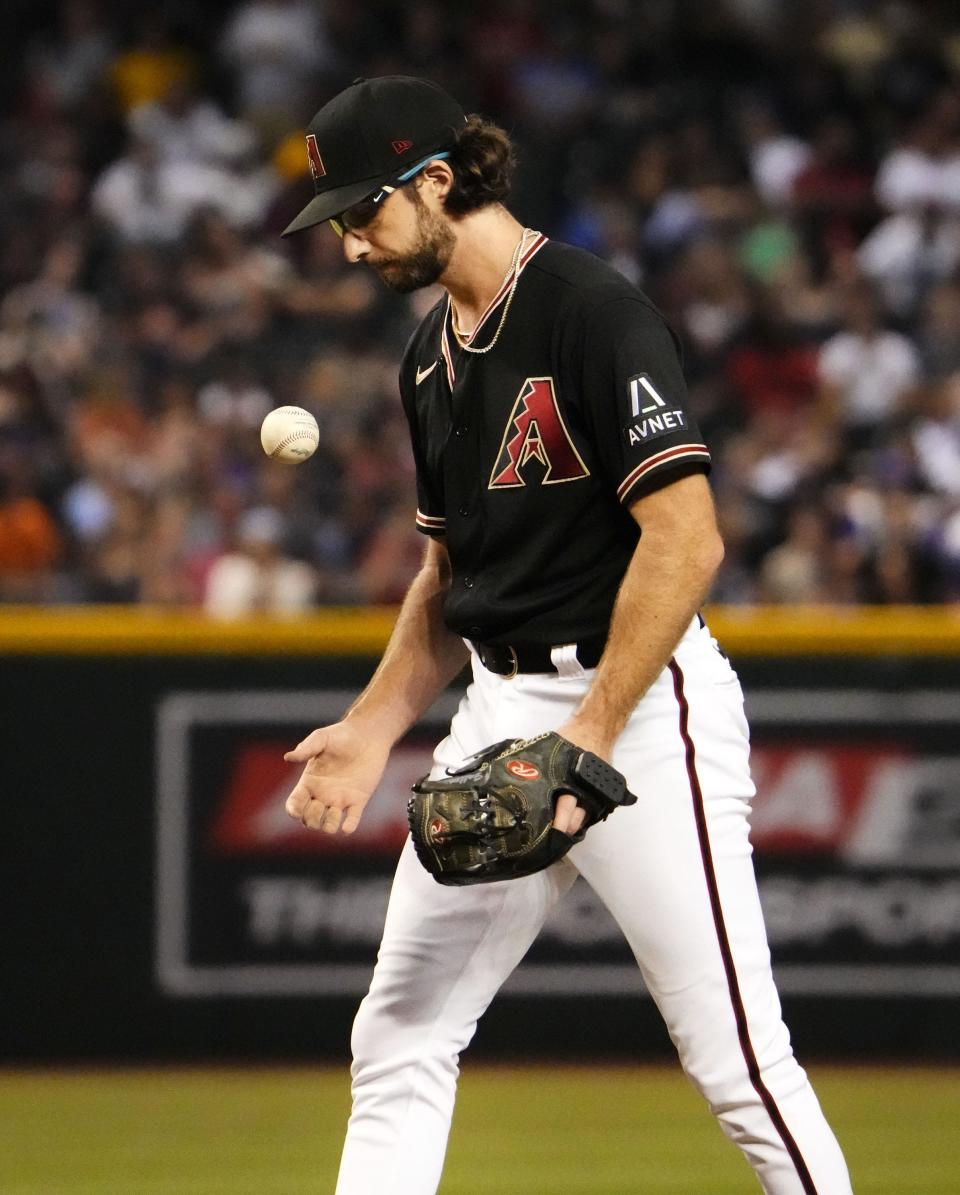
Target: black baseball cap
[{"x": 370, "y": 134}]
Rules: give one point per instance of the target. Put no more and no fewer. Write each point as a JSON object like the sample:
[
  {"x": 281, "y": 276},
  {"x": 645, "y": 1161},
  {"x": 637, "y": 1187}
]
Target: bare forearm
[
  {"x": 654, "y": 608},
  {"x": 668, "y": 579},
  {"x": 420, "y": 660}
]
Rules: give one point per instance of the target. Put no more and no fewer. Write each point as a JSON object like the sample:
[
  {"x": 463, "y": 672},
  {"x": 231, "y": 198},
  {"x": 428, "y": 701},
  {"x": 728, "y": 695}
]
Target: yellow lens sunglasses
[{"x": 359, "y": 215}]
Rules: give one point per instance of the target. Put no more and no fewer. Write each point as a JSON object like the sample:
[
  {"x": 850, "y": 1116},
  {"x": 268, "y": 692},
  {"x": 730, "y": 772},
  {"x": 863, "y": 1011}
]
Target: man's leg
[
  {"x": 676, "y": 872},
  {"x": 445, "y": 952}
]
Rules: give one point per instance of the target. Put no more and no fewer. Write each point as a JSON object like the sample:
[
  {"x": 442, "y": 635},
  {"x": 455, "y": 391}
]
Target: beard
[{"x": 429, "y": 257}]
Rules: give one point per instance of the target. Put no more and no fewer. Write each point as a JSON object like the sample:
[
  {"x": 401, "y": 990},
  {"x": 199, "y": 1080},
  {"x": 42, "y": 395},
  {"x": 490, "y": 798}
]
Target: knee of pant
[
  {"x": 724, "y": 1090},
  {"x": 370, "y": 1037},
  {"x": 737, "y": 1084},
  {"x": 382, "y": 1043}
]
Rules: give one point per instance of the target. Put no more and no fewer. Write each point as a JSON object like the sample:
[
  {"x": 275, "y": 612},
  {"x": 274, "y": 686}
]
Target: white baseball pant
[{"x": 676, "y": 873}]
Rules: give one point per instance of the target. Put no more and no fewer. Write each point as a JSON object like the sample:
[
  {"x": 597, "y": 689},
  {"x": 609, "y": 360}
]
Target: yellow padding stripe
[
  {"x": 144, "y": 630},
  {"x": 757, "y": 631},
  {"x": 837, "y": 630}
]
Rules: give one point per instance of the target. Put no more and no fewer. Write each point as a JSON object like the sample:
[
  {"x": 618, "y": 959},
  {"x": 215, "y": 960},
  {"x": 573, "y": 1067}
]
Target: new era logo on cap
[{"x": 401, "y": 147}]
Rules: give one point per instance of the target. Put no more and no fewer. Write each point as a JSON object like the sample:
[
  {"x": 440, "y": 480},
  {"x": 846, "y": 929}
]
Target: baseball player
[{"x": 570, "y": 543}]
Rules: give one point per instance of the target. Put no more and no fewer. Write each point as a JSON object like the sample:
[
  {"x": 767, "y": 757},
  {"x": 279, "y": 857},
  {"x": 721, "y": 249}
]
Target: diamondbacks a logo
[
  {"x": 314, "y": 161},
  {"x": 523, "y": 770},
  {"x": 536, "y": 431}
]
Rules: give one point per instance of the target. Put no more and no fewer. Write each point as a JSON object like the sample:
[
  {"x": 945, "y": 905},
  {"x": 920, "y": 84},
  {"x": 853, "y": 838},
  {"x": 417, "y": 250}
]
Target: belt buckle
[{"x": 516, "y": 667}]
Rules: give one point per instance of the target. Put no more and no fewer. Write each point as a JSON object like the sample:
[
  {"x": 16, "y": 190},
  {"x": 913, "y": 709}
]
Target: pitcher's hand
[
  {"x": 569, "y": 816},
  {"x": 344, "y": 764}
]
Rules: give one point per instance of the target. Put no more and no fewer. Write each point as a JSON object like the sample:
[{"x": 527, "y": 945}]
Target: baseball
[{"x": 289, "y": 434}]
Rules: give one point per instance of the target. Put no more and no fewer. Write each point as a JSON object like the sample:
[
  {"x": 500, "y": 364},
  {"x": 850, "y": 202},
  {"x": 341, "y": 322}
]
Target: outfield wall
[{"x": 158, "y": 902}]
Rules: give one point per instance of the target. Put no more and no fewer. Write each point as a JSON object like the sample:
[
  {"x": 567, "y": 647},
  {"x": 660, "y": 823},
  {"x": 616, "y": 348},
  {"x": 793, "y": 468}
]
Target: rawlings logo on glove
[{"x": 491, "y": 818}]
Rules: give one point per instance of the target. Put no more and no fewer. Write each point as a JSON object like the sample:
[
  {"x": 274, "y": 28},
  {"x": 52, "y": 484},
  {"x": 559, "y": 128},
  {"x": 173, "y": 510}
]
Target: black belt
[{"x": 507, "y": 660}]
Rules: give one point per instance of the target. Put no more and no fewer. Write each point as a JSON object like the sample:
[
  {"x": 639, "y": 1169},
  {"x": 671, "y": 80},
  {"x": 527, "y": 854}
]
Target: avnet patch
[{"x": 649, "y": 427}]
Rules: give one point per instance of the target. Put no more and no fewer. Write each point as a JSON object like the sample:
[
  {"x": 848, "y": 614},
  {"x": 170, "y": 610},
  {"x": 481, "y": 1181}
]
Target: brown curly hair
[{"x": 482, "y": 162}]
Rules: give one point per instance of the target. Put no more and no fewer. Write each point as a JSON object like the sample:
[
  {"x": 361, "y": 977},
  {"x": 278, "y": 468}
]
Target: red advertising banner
[{"x": 856, "y": 829}]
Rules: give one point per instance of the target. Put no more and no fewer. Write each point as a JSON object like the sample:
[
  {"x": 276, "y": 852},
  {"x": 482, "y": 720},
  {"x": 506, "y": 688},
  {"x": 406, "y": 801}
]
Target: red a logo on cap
[
  {"x": 400, "y": 147},
  {"x": 314, "y": 161}
]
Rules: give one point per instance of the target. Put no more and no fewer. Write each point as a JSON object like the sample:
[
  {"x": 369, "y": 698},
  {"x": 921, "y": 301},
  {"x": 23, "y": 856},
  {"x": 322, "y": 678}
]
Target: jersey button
[
  {"x": 460, "y": 430},
  {"x": 468, "y": 582},
  {"x": 474, "y": 632},
  {"x": 463, "y": 509}
]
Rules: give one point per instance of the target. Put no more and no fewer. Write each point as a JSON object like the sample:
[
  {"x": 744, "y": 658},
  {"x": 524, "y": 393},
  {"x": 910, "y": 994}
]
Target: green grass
[{"x": 530, "y": 1131}]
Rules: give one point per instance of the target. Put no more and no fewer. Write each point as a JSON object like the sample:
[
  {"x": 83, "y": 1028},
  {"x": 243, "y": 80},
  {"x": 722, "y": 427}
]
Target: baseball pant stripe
[{"x": 733, "y": 985}]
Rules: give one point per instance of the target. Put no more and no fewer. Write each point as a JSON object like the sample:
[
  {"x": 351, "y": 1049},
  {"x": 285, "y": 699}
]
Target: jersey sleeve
[
  {"x": 431, "y": 519},
  {"x": 635, "y": 399}
]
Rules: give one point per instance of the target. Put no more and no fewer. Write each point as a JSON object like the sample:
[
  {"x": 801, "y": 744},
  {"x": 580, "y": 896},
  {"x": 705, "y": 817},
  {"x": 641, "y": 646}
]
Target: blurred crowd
[{"x": 783, "y": 180}]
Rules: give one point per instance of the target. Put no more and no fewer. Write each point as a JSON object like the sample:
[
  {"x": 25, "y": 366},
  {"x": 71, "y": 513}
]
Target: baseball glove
[{"x": 491, "y": 817}]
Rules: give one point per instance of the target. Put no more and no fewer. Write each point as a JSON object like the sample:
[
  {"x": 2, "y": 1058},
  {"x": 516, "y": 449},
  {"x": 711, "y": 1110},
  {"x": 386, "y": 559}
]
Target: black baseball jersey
[{"x": 529, "y": 456}]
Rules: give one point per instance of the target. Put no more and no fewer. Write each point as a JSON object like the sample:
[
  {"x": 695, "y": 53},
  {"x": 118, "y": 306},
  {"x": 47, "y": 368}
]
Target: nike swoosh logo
[{"x": 425, "y": 373}]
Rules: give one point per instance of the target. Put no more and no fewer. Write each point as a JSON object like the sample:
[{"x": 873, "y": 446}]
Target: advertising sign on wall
[{"x": 856, "y": 829}]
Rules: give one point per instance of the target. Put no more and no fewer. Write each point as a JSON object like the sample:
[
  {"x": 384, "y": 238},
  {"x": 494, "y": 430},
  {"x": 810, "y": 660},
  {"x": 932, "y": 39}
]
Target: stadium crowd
[{"x": 783, "y": 180}]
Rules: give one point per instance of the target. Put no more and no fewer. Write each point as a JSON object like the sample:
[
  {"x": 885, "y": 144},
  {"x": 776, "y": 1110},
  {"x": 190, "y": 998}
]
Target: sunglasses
[{"x": 360, "y": 214}]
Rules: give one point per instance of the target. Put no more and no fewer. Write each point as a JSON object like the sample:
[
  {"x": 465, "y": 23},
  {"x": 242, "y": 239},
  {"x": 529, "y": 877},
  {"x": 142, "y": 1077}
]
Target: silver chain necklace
[{"x": 515, "y": 271}]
